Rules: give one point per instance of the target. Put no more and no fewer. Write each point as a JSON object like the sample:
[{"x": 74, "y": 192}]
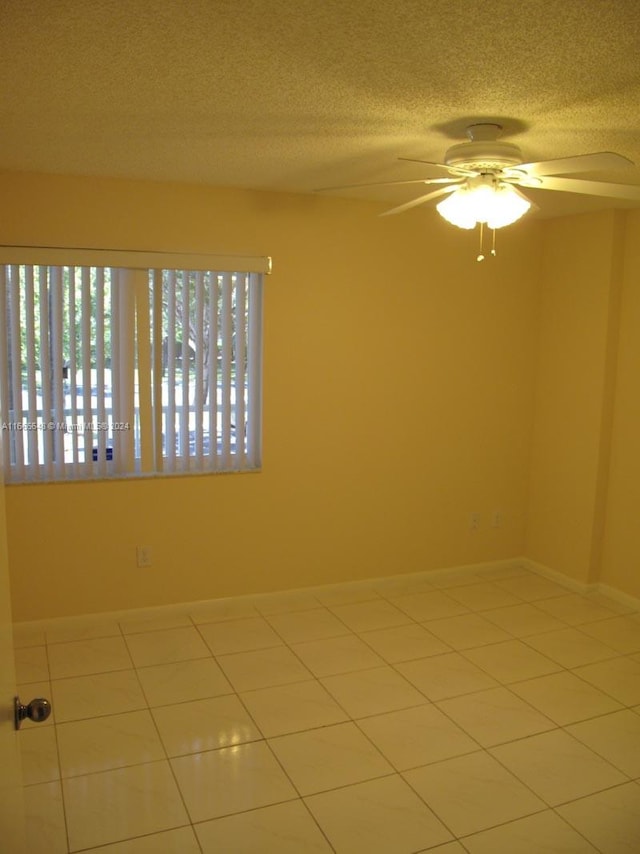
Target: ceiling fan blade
[
  {"x": 455, "y": 170},
  {"x": 592, "y": 188},
  {"x": 419, "y": 201},
  {"x": 388, "y": 184},
  {"x": 601, "y": 161}
]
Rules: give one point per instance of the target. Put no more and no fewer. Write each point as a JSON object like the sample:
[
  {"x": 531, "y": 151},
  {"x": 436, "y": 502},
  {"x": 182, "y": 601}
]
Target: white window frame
[{"x": 151, "y": 448}]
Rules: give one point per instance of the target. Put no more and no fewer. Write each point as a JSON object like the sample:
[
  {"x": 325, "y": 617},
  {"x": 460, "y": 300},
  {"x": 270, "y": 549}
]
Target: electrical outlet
[
  {"x": 474, "y": 521},
  {"x": 143, "y": 555},
  {"x": 496, "y": 519}
]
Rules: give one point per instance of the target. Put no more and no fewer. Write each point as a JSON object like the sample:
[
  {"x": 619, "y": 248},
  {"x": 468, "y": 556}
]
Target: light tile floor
[{"x": 493, "y": 713}]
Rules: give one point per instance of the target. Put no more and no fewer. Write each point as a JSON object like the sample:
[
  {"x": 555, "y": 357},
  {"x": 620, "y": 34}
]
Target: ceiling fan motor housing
[
  {"x": 484, "y": 153},
  {"x": 481, "y": 156}
]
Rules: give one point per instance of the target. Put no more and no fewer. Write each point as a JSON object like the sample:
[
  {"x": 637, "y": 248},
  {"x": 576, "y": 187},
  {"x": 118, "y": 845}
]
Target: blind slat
[
  {"x": 198, "y": 401},
  {"x": 88, "y": 435},
  {"x": 101, "y": 414},
  {"x": 5, "y": 383},
  {"x": 226, "y": 343},
  {"x": 254, "y": 363},
  {"x": 170, "y": 346},
  {"x": 214, "y": 296},
  {"x": 185, "y": 365},
  {"x": 30, "y": 354},
  {"x": 56, "y": 439}
]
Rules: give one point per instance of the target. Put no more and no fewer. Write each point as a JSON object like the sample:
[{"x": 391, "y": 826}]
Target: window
[{"x": 136, "y": 369}]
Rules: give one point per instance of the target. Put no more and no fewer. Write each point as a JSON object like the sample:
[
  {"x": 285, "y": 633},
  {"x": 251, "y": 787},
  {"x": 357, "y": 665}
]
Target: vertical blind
[{"x": 129, "y": 370}]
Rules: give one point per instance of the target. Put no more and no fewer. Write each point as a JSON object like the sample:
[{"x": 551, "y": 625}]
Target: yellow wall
[
  {"x": 398, "y": 394},
  {"x": 621, "y": 553},
  {"x": 577, "y": 352}
]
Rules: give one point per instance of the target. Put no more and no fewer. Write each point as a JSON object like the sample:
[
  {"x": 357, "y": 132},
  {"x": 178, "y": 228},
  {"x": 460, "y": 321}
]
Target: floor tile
[
  {"x": 610, "y": 819},
  {"x": 417, "y": 736},
  {"x": 621, "y": 633},
  {"x": 615, "y": 737},
  {"x": 543, "y": 833},
  {"x": 575, "y": 609},
  {"x": 32, "y": 664},
  {"x": 402, "y": 585},
  {"x": 615, "y": 605},
  {"x": 433, "y": 605},
  {"x": 321, "y": 759},
  {"x": 44, "y": 818},
  {"x": 307, "y": 625},
  {"x": 571, "y": 647},
  {"x": 511, "y": 661},
  {"x": 495, "y": 716},
  {"x": 83, "y": 657},
  {"x": 181, "y": 681},
  {"x": 39, "y": 752},
  {"x": 292, "y": 708},
  {"x": 25, "y": 634},
  {"x": 214, "y": 783},
  {"x": 154, "y": 623},
  {"x": 164, "y": 647},
  {"x": 482, "y": 597},
  {"x": 239, "y": 635},
  {"x": 180, "y": 841},
  {"x": 222, "y": 609},
  {"x": 380, "y": 817},
  {"x": 557, "y": 767},
  {"x": 84, "y": 629},
  {"x": 107, "y": 742},
  {"x": 281, "y": 829},
  {"x": 455, "y": 578},
  {"x": 444, "y": 676},
  {"x": 619, "y": 677},
  {"x": 372, "y": 692},
  {"x": 367, "y": 616},
  {"x": 466, "y": 630},
  {"x": 496, "y": 573},
  {"x": 281, "y": 603},
  {"x": 473, "y": 792},
  {"x": 404, "y": 643},
  {"x": 448, "y": 848},
  {"x": 532, "y": 588},
  {"x": 116, "y": 805},
  {"x": 263, "y": 668},
  {"x": 81, "y": 697},
  {"x": 204, "y": 725},
  {"x": 564, "y": 698},
  {"x": 346, "y": 594},
  {"x": 525, "y": 619},
  {"x": 337, "y": 655}
]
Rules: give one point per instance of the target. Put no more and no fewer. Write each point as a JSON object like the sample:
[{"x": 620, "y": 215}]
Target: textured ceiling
[{"x": 298, "y": 94}]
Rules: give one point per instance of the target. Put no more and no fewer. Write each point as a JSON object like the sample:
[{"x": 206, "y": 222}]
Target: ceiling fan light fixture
[
  {"x": 459, "y": 209},
  {"x": 483, "y": 200}
]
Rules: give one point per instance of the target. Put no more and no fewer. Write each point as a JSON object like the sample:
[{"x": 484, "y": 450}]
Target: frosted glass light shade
[{"x": 495, "y": 204}]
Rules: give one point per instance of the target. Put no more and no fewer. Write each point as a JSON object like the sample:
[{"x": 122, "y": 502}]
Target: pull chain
[
  {"x": 493, "y": 243},
  {"x": 481, "y": 253}
]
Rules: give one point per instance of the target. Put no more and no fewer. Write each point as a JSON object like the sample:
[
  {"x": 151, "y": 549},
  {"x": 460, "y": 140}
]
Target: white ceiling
[{"x": 298, "y": 94}]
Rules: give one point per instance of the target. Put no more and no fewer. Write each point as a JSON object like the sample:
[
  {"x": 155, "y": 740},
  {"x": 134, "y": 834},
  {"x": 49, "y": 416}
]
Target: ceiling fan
[{"x": 485, "y": 174}]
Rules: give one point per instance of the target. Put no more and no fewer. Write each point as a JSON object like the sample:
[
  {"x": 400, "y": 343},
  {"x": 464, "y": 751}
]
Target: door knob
[{"x": 37, "y": 710}]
